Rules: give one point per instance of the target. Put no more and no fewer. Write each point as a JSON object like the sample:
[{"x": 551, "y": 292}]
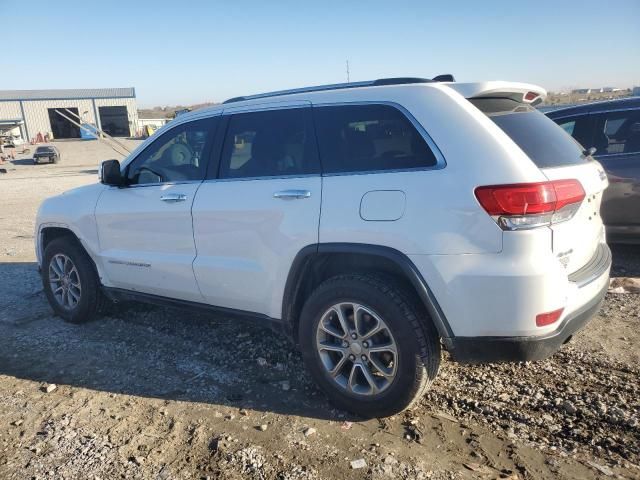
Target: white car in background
[{"x": 372, "y": 223}]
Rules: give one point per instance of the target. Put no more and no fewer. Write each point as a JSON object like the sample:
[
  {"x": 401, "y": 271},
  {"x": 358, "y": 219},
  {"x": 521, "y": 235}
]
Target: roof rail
[{"x": 335, "y": 86}]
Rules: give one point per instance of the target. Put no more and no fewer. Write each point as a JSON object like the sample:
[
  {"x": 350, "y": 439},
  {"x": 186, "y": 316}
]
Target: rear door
[
  {"x": 253, "y": 217},
  {"x": 560, "y": 157},
  {"x": 618, "y": 149}
]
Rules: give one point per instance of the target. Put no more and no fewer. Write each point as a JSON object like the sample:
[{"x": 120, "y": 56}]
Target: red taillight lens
[
  {"x": 568, "y": 192},
  {"x": 548, "y": 318},
  {"x": 519, "y": 199},
  {"x": 529, "y": 205}
]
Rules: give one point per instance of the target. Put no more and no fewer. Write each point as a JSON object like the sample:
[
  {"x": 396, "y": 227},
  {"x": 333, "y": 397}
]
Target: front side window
[
  {"x": 360, "y": 138},
  {"x": 176, "y": 156},
  {"x": 269, "y": 143},
  {"x": 618, "y": 132}
]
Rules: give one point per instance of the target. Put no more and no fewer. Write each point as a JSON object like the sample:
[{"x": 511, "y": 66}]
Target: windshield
[
  {"x": 44, "y": 150},
  {"x": 546, "y": 144}
]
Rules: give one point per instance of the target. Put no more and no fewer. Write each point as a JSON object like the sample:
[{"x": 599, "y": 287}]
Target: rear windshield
[
  {"x": 546, "y": 144},
  {"x": 44, "y": 150}
]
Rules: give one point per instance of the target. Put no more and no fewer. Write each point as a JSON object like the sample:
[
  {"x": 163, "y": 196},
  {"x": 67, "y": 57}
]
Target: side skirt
[{"x": 120, "y": 295}]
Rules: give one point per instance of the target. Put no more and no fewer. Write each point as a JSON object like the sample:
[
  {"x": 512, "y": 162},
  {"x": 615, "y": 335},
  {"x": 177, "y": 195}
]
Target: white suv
[{"x": 370, "y": 222}]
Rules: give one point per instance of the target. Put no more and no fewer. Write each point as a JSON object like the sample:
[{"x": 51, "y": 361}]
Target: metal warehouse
[{"x": 27, "y": 113}]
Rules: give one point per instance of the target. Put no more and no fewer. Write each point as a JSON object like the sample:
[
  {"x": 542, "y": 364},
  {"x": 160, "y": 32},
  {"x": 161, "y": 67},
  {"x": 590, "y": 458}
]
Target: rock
[
  {"x": 286, "y": 386},
  {"x": 262, "y": 362},
  {"x": 389, "y": 460},
  {"x": 569, "y": 407},
  {"x": 16, "y": 423},
  {"x": 359, "y": 463},
  {"x": 601, "y": 468},
  {"x": 50, "y": 388},
  {"x": 309, "y": 431},
  {"x": 263, "y": 427}
]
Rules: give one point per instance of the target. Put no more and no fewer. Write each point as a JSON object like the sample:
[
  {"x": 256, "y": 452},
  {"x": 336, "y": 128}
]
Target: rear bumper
[{"x": 524, "y": 349}]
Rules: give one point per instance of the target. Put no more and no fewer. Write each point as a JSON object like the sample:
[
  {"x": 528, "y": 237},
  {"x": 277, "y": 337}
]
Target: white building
[{"x": 30, "y": 112}]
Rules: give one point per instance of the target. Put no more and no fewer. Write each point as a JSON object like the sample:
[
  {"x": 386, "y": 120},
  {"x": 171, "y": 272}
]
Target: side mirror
[
  {"x": 589, "y": 151},
  {"x": 110, "y": 173}
]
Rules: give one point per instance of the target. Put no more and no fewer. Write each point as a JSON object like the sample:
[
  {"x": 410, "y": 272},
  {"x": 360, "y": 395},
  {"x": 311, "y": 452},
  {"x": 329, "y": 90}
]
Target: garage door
[
  {"x": 60, "y": 126},
  {"x": 115, "y": 121}
]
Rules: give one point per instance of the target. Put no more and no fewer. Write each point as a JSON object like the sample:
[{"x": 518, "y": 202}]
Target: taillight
[{"x": 529, "y": 205}]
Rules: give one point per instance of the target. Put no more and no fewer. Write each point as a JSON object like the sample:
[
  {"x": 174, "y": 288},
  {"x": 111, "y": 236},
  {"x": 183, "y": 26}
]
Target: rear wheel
[
  {"x": 367, "y": 346},
  {"x": 70, "y": 281}
]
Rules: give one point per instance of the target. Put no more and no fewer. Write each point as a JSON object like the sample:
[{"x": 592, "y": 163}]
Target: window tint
[
  {"x": 177, "y": 155},
  {"x": 579, "y": 128},
  {"x": 270, "y": 143},
  {"x": 356, "y": 138},
  {"x": 540, "y": 138},
  {"x": 617, "y": 132},
  {"x": 568, "y": 127}
]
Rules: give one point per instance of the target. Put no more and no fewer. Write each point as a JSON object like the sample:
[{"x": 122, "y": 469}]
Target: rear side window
[
  {"x": 269, "y": 143},
  {"x": 360, "y": 138},
  {"x": 544, "y": 142},
  {"x": 617, "y": 132}
]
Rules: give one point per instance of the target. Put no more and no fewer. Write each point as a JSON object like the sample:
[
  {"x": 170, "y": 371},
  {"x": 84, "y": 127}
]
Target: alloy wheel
[{"x": 357, "y": 349}]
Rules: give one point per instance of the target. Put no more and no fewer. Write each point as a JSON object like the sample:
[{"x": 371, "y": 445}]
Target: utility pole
[{"x": 348, "y": 71}]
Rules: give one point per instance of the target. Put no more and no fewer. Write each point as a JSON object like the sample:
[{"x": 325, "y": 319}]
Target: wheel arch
[
  {"x": 48, "y": 233},
  {"x": 315, "y": 263}
]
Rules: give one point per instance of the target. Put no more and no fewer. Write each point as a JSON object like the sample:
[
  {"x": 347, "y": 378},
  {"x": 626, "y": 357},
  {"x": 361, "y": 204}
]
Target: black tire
[
  {"x": 91, "y": 298},
  {"x": 54, "y": 159},
  {"x": 416, "y": 339}
]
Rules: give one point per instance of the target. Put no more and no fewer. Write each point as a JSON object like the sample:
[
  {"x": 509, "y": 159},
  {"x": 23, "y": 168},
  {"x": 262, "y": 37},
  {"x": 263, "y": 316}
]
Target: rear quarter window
[
  {"x": 544, "y": 142},
  {"x": 366, "y": 138}
]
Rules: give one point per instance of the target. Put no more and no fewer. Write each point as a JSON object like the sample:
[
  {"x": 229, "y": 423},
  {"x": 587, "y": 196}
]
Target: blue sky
[{"x": 183, "y": 52}]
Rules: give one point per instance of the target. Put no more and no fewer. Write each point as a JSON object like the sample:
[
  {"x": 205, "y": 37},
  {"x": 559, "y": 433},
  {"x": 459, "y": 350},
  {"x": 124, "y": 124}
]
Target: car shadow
[
  {"x": 155, "y": 352},
  {"x": 25, "y": 161}
]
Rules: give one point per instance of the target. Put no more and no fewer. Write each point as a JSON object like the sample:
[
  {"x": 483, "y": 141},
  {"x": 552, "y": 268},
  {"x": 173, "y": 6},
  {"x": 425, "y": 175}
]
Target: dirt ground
[{"x": 156, "y": 393}]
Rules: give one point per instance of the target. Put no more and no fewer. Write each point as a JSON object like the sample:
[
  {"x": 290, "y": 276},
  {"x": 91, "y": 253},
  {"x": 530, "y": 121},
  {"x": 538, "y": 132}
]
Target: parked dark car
[
  {"x": 47, "y": 153},
  {"x": 613, "y": 129}
]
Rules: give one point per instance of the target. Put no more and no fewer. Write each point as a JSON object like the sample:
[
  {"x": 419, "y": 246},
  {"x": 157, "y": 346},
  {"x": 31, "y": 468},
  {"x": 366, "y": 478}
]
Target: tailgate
[{"x": 575, "y": 241}]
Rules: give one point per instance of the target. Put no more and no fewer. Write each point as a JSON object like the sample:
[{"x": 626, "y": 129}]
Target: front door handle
[
  {"x": 173, "y": 197},
  {"x": 292, "y": 194}
]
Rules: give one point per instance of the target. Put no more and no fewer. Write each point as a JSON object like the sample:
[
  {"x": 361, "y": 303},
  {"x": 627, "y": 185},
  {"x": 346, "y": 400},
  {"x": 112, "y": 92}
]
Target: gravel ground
[{"x": 149, "y": 392}]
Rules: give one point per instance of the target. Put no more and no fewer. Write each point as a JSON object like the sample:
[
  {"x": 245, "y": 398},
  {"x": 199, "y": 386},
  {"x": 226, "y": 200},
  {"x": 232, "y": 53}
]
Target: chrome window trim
[
  {"x": 604, "y": 155},
  {"x": 440, "y": 159},
  {"x": 155, "y": 184},
  {"x": 584, "y": 114},
  {"x": 271, "y": 177}
]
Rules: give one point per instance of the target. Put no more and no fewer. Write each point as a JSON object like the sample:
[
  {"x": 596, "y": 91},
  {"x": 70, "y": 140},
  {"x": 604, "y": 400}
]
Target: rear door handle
[
  {"x": 173, "y": 197},
  {"x": 292, "y": 194}
]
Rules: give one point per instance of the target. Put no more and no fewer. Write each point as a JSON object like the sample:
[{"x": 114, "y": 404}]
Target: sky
[{"x": 187, "y": 52}]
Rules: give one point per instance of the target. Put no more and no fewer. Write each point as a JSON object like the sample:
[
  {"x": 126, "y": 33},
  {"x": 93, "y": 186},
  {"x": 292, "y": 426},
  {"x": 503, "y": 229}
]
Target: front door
[
  {"x": 145, "y": 228},
  {"x": 259, "y": 211}
]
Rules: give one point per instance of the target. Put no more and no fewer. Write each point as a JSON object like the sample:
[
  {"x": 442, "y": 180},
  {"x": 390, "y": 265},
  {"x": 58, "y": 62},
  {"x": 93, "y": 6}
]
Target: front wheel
[
  {"x": 70, "y": 281},
  {"x": 367, "y": 345}
]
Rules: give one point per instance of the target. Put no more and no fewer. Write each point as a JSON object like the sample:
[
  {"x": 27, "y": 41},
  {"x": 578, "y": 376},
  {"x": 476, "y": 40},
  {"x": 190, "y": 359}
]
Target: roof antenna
[{"x": 348, "y": 81}]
